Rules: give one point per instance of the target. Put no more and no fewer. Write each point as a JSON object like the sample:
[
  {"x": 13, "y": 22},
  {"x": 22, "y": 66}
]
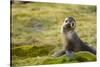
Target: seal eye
[
  {"x": 66, "y": 21},
  {"x": 72, "y": 24}
]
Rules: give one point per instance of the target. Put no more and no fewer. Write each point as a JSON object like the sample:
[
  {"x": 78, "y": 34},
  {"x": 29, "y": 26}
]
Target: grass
[{"x": 36, "y": 32}]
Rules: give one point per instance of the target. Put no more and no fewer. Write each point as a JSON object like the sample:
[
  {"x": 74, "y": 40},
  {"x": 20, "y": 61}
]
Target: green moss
[
  {"x": 32, "y": 51},
  {"x": 85, "y": 56},
  {"x": 78, "y": 57}
]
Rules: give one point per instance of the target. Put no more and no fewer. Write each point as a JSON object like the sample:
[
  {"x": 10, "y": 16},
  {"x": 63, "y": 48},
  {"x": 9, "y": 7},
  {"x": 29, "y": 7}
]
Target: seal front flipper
[{"x": 59, "y": 53}]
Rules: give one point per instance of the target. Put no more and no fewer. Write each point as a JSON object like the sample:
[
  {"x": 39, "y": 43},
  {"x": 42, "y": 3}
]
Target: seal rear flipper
[{"x": 86, "y": 47}]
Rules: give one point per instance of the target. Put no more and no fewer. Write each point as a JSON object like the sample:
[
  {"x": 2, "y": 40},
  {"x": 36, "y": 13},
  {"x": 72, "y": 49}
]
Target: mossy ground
[
  {"x": 36, "y": 32},
  {"x": 29, "y": 56}
]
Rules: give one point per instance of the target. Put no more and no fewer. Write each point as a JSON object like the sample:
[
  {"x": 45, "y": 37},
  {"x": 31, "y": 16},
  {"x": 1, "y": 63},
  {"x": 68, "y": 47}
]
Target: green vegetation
[{"x": 36, "y": 32}]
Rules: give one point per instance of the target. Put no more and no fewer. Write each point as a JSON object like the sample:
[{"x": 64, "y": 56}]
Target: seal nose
[{"x": 68, "y": 23}]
